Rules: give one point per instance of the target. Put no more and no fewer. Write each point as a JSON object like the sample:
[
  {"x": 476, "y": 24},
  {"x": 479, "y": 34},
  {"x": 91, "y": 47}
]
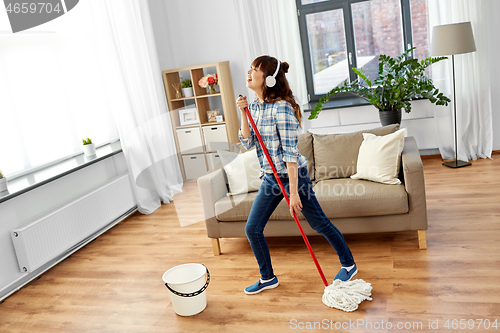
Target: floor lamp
[{"x": 451, "y": 39}]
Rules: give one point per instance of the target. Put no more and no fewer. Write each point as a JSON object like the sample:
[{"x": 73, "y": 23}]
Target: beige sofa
[{"x": 354, "y": 206}]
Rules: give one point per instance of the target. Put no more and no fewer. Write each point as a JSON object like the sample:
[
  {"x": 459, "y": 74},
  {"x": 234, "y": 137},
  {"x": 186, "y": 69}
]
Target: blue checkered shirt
[{"x": 277, "y": 126}]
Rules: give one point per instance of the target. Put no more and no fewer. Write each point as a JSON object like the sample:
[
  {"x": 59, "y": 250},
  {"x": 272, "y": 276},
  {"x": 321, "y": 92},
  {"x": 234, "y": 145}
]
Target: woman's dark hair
[{"x": 281, "y": 90}]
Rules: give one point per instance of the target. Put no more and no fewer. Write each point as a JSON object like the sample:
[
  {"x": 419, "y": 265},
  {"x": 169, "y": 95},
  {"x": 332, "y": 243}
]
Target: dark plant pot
[{"x": 390, "y": 117}]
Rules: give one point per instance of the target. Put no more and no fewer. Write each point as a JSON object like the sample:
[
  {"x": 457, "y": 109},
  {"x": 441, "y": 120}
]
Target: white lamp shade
[{"x": 452, "y": 39}]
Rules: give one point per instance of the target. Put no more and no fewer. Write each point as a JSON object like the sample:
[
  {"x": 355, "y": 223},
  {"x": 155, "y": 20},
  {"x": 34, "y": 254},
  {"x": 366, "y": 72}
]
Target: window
[
  {"x": 339, "y": 35},
  {"x": 327, "y": 47},
  {"x": 52, "y": 93}
]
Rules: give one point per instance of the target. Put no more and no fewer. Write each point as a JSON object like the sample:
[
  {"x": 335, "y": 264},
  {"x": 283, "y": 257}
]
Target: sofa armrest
[
  {"x": 413, "y": 171},
  {"x": 212, "y": 188}
]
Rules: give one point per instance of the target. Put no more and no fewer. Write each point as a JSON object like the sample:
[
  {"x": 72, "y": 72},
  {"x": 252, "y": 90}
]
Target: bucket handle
[{"x": 195, "y": 293}]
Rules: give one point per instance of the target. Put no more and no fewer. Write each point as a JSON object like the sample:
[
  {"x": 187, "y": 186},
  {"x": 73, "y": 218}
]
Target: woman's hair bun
[{"x": 285, "y": 66}]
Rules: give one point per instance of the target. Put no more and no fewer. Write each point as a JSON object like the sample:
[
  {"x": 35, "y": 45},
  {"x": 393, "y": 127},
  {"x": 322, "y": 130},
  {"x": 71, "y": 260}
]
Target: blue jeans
[{"x": 267, "y": 199}]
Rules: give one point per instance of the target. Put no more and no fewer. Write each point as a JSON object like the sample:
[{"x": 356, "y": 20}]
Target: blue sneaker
[
  {"x": 344, "y": 275},
  {"x": 259, "y": 286}
]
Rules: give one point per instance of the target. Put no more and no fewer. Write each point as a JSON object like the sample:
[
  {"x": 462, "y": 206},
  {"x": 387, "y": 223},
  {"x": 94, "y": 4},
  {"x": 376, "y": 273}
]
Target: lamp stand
[{"x": 456, "y": 163}]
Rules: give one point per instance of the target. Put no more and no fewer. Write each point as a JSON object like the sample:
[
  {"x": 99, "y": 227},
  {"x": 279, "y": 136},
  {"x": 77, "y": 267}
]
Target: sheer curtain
[
  {"x": 271, "y": 27},
  {"x": 473, "y": 86},
  {"x": 51, "y": 96},
  {"x": 126, "y": 39}
]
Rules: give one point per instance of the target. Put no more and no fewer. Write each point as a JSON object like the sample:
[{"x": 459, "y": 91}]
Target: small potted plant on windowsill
[
  {"x": 88, "y": 147},
  {"x": 3, "y": 182},
  {"x": 399, "y": 81},
  {"x": 187, "y": 88}
]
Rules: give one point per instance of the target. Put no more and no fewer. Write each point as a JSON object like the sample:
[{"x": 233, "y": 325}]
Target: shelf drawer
[
  {"x": 215, "y": 137},
  {"x": 214, "y": 162},
  {"x": 194, "y": 166},
  {"x": 190, "y": 140}
]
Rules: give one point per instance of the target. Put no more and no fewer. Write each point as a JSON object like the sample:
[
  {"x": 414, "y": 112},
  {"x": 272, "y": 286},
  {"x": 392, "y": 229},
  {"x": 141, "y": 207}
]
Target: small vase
[{"x": 212, "y": 90}]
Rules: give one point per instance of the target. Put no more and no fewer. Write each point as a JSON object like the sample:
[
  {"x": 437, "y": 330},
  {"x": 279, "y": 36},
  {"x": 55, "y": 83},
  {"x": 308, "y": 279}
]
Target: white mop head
[{"x": 347, "y": 295}]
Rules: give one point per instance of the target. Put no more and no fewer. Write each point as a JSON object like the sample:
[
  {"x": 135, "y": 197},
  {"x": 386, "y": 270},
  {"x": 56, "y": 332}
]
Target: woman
[{"x": 277, "y": 117}]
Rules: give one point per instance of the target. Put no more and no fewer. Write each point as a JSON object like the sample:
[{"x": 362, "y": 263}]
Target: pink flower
[{"x": 207, "y": 80}]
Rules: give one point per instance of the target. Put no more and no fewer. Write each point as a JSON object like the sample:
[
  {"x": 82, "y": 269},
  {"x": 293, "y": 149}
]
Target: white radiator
[{"x": 46, "y": 237}]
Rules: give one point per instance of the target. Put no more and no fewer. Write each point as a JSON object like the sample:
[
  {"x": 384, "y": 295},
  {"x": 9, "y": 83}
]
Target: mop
[{"x": 341, "y": 295}]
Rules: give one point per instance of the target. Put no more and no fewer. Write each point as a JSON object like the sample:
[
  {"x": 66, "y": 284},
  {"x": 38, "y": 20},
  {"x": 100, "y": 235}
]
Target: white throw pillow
[
  {"x": 379, "y": 157},
  {"x": 242, "y": 171}
]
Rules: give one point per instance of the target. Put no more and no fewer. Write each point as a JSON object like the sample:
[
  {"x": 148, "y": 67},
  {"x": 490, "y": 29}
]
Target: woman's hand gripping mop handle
[{"x": 249, "y": 116}]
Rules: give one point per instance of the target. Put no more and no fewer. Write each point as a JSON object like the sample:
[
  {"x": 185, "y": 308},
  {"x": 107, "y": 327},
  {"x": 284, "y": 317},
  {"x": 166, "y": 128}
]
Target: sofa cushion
[
  {"x": 336, "y": 155},
  {"x": 338, "y": 197},
  {"x": 353, "y": 198},
  {"x": 234, "y": 208},
  {"x": 237, "y": 208},
  {"x": 305, "y": 146}
]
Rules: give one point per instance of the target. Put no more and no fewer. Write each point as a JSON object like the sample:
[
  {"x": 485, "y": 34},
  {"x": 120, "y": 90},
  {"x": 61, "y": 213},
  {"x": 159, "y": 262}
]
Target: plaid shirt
[{"x": 277, "y": 126}]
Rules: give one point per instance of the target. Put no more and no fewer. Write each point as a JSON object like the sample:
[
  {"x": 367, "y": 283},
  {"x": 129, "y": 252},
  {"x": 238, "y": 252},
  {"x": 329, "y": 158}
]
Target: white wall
[
  {"x": 195, "y": 32},
  {"x": 159, "y": 18},
  {"x": 418, "y": 123}
]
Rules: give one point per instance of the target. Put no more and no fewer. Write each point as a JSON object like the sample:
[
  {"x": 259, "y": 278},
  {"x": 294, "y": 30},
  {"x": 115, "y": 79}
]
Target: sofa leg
[
  {"x": 216, "y": 246},
  {"x": 422, "y": 241}
]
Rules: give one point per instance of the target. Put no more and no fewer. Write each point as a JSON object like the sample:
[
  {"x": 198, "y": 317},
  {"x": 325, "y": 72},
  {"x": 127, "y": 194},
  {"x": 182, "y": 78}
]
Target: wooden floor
[{"x": 114, "y": 284}]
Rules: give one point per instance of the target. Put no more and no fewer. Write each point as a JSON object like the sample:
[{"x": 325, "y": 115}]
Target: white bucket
[{"x": 186, "y": 285}]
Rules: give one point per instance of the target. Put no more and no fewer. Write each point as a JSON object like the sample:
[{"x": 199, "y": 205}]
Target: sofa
[{"x": 353, "y": 205}]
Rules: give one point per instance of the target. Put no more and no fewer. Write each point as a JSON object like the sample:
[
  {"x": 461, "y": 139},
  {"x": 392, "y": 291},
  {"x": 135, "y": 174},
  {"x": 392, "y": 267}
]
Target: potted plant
[
  {"x": 399, "y": 81},
  {"x": 187, "y": 88},
  {"x": 3, "y": 182},
  {"x": 88, "y": 147}
]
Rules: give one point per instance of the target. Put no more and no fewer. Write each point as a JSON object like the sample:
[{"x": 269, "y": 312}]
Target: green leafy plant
[
  {"x": 186, "y": 83},
  {"x": 1, "y": 174},
  {"x": 399, "y": 81},
  {"x": 87, "y": 142}
]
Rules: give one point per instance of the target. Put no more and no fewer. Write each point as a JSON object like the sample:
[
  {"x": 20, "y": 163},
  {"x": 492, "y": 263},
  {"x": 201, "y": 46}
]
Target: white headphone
[{"x": 271, "y": 80}]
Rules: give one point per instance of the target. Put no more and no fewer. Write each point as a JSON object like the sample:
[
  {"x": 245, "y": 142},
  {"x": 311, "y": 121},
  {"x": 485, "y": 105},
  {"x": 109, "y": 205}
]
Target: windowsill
[
  {"x": 41, "y": 177},
  {"x": 338, "y": 103},
  {"x": 344, "y": 102}
]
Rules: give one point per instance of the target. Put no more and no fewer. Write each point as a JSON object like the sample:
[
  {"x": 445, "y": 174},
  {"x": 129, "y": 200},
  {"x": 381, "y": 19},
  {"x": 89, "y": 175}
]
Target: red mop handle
[{"x": 249, "y": 116}]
